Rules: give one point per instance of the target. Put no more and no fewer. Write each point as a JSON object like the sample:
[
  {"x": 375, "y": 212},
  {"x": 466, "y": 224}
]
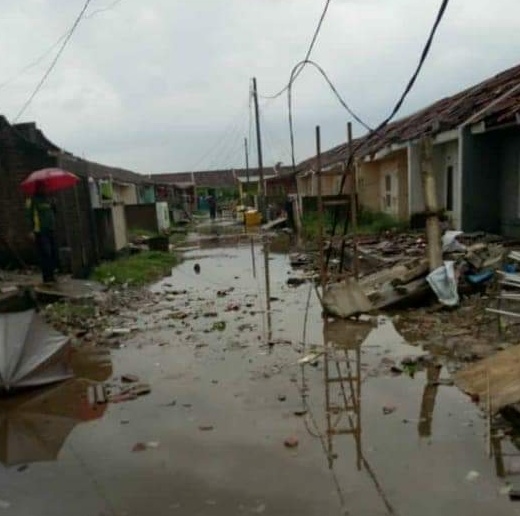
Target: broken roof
[{"x": 494, "y": 102}]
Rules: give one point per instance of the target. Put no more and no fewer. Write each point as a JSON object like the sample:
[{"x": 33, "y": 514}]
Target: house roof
[
  {"x": 226, "y": 178},
  {"x": 494, "y": 102}
]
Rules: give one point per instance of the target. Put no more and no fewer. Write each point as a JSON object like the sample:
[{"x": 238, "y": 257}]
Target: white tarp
[
  {"x": 444, "y": 283},
  {"x": 31, "y": 352}
]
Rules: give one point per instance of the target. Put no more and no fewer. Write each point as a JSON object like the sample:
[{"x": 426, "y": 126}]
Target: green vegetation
[
  {"x": 373, "y": 222},
  {"x": 137, "y": 233},
  {"x": 369, "y": 223},
  {"x": 137, "y": 269}
]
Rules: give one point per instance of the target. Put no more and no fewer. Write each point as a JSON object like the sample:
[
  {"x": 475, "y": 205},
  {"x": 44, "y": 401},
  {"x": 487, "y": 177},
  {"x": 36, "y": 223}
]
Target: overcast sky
[{"x": 163, "y": 85}]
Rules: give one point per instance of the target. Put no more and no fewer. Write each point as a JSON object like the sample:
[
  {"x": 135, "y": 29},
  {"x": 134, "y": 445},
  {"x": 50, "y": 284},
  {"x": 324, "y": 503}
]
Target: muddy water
[{"x": 223, "y": 401}]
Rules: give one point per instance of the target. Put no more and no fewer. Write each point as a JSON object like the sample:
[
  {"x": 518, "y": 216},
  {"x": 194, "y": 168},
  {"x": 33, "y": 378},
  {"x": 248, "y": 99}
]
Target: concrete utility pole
[
  {"x": 433, "y": 229},
  {"x": 261, "y": 192},
  {"x": 247, "y": 169}
]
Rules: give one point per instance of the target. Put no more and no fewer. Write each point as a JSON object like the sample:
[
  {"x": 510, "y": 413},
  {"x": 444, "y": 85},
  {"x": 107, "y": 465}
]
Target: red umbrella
[{"x": 51, "y": 179}]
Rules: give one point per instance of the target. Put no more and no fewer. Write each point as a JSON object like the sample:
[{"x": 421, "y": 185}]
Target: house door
[{"x": 390, "y": 191}]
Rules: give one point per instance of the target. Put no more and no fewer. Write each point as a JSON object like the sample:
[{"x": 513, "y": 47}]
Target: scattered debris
[
  {"x": 494, "y": 379},
  {"x": 472, "y": 476},
  {"x": 310, "y": 358},
  {"x": 129, "y": 378},
  {"x": 219, "y": 325},
  {"x": 282, "y": 397},
  {"x": 389, "y": 410},
  {"x": 291, "y": 442},
  {"x": 206, "y": 428},
  {"x": 139, "y": 447},
  {"x": 300, "y": 413}
]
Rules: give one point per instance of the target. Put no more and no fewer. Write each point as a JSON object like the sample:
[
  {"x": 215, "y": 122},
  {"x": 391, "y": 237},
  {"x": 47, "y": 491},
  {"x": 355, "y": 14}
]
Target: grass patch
[
  {"x": 137, "y": 269},
  {"x": 369, "y": 223}
]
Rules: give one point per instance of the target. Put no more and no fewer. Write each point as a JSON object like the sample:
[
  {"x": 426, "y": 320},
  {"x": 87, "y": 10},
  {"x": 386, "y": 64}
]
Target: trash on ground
[
  {"x": 310, "y": 358},
  {"x": 291, "y": 442},
  {"x": 129, "y": 378},
  {"x": 389, "y": 410},
  {"x": 472, "y": 475},
  {"x": 219, "y": 325},
  {"x": 206, "y": 428},
  {"x": 139, "y": 447}
]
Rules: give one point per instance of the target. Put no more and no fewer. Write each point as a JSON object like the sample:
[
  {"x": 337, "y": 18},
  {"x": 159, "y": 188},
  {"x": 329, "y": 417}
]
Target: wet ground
[{"x": 227, "y": 393}]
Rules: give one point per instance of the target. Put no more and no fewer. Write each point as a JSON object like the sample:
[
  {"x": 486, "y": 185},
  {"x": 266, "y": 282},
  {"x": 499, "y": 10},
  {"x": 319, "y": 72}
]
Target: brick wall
[{"x": 18, "y": 158}]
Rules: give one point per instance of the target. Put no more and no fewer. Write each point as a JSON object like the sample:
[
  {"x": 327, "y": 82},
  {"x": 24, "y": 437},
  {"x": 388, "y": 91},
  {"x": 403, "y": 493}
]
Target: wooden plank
[{"x": 504, "y": 379}]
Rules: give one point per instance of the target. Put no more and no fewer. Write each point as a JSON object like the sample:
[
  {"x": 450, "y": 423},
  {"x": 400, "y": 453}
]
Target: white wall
[
  {"x": 444, "y": 155},
  {"x": 120, "y": 230}
]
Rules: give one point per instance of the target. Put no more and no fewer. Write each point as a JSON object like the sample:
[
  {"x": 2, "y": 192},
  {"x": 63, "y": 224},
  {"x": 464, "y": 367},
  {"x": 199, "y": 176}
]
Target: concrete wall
[
  {"x": 125, "y": 193},
  {"x": 510, "y": 183},
  {"x": 373, "y": 182},
  {"x": 120, "y": 228},
  {"x": 141, "y": 217},
  {"x": 307, "y": 185}
]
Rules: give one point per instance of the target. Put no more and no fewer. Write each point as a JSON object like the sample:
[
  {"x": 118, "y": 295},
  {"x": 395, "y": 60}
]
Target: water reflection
[
  {"x": 429, "y": 397},
  {"x": 35, "y": 424},
  {"x": 342, "y": 378}
]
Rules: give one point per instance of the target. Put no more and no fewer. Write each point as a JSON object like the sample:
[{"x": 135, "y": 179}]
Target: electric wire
[
  {"x": 307, "y": 55},
  {"x": 39, "y": 59},
  {"x": 54, "y": 61}
]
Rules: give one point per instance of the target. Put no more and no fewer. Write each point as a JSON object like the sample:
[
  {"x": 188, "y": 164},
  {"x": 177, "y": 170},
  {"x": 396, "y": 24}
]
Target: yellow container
[{"x": 252, "y": 218}]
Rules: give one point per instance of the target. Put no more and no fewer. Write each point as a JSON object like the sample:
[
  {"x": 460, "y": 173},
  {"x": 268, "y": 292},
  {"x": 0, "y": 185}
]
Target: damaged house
[{"x": 476, "y": 160}]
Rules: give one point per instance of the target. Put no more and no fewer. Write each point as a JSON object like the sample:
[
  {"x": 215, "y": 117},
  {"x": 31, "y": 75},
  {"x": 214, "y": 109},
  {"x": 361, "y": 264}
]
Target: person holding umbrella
[
  {"x": 41, "y": 213},
  {"x": 41, "y": 217}
]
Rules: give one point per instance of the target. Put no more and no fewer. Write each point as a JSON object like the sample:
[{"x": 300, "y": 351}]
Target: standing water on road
[{"x": 250, "y": 414}]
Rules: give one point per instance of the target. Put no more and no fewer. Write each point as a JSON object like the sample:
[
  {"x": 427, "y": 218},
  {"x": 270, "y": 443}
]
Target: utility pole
[
  {"x": 247, "y": 169},
  {"x": 261, "y": 192},
  {"x": 353, "y": 200}
]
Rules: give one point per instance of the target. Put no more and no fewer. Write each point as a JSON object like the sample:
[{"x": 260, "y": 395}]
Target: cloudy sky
[{"x": 163, "y": 85}]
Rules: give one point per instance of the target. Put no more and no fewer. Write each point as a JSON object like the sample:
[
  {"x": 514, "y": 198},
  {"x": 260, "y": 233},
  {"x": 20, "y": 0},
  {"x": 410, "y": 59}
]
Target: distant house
[
  {"x": 192, "y": 188},
  {"x": 278, "y": 182}
]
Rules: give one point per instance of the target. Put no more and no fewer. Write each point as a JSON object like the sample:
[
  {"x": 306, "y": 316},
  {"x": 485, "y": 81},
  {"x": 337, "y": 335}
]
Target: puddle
[{"x": 224, "y": 399}]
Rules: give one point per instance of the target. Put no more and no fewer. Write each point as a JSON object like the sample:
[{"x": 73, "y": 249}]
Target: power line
[
  {"x": 298, "y": 69},
  {"x": 397, "y": 107},
  {"x": 422, "y": 59},
  {"x": 307, "y": 55},
  {"x": 34, "y": 63},
  {"x": 39, "y": 59},
  {"x": 103, "y": 9},
  {"x": 54, "y": 61}
]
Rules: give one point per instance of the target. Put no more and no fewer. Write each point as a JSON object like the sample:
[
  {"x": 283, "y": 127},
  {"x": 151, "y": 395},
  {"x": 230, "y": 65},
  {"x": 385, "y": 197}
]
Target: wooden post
[
  {"x": 353, "y": 201},
  {"x": 433, "y": 229},
  {"x": 321, "y": 237}
]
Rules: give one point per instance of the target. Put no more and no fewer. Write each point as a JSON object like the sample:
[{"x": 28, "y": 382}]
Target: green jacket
[{"x": 40, "y": 214}]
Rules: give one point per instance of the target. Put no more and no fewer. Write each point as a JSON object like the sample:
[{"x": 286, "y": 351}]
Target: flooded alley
[{"x": 250, "y": 412}]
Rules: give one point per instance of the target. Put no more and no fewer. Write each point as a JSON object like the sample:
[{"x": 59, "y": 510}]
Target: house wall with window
[{"x": 383, "y": 184}]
